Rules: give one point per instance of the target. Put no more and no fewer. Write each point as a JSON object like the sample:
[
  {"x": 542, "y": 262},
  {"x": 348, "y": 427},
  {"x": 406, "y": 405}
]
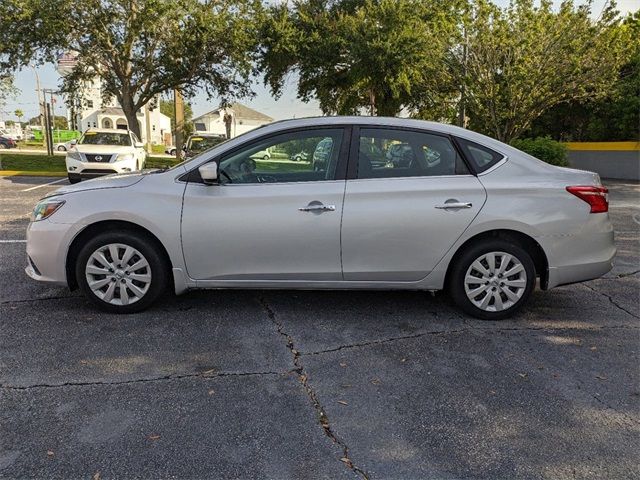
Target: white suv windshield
[{"x": 105, "y": 138}]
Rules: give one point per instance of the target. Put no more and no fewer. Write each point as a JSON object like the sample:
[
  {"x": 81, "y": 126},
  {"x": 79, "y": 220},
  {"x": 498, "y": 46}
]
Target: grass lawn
[{"x": 46, "y": 163}]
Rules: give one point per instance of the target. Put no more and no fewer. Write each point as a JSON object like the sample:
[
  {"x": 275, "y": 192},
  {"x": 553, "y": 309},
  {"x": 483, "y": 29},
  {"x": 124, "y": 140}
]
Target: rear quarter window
[{"x": 481, "y": 157}]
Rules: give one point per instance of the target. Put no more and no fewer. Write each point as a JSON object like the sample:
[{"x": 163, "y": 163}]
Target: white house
[
  {"x": 242, "y": 119},
  {"x": 91, "y": 111}
]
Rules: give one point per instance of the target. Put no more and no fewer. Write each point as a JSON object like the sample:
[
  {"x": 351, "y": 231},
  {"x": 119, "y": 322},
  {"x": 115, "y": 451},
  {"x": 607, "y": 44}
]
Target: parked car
[
  {"x": 6, "y": 142},
  {"x": 300, "y": 156},
  {"x": 196, "y": 144},
  {"x": 65, "y": 146},
  {"x": 102, "y": 151},
  {"x": 262, "y": 155},
  {"x": 170, "y": 150},
  {"x": 485, "y": 222}
]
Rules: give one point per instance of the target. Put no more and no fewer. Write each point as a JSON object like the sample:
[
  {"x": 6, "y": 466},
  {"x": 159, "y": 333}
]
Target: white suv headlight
[
  {"x": 74, "y": 156},
  {"x": 45, "y": 208},
  {"x": 124, "y": 156}
]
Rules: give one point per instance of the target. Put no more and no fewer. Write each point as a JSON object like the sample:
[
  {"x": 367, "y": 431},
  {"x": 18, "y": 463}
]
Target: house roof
[{"x": 241, "y": 112}]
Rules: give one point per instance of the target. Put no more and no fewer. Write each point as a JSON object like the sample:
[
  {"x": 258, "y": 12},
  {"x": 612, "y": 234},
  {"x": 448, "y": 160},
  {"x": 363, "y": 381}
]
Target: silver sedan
[{"x": 456, "y": 211}]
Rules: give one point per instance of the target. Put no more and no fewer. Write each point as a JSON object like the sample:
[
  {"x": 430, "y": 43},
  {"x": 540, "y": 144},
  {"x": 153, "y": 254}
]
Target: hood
[
  {"x": 110, "y": 181},
  {"x": 103, "y": 148}
]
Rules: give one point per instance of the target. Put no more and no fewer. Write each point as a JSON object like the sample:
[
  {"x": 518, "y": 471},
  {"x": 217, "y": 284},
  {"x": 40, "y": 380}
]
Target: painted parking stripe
[
  {"x": 13, "y": 241},
  {"x": 44, "y": 185}
]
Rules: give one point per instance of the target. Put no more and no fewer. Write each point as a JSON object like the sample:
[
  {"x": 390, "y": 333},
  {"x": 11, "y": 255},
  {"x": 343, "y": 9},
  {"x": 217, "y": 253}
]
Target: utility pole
[
  {"x": 49, "y": 119},
  {"x": 147, "y": 131},
  {"x": 48, "y": 126},
  {"x": 40, "y": 106},
  {"x": 178, "y": 106}
]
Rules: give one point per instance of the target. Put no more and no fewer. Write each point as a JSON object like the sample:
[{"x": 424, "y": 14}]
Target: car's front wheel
[
  {"x": 492, "y": 279},
  {"x": 121, "y": 272}
]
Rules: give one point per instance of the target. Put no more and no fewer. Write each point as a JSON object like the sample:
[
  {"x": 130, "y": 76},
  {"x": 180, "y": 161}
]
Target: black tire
[
  {"x": 73, "y": 180},
  {"x": 144, "y": 244},
  {"x": 266, "y": 157},
  {"x": 62, "y": 148},
  {"x": 458, "y": 274},
  {"x": 173, "y": 152}
]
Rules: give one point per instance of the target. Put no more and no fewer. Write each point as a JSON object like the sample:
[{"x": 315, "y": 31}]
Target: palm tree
[{"x": 19, "y": 113}]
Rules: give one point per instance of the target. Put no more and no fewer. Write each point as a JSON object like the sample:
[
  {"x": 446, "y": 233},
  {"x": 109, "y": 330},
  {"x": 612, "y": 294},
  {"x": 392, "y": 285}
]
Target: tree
[
  {"x": 7, "y": 89},
  {"x": 354, "y": 55},
  {"x": 525, "y": 59},
  {"x": 614, "y": 117},
  {"x": 19, "y": 113},
  {"x": 167, "y": 108},
  {"x": 137, "y": 48}
]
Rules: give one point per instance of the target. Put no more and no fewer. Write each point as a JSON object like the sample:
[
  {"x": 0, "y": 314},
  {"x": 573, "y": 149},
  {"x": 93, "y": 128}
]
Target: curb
[{"x": 30, "y": 173}]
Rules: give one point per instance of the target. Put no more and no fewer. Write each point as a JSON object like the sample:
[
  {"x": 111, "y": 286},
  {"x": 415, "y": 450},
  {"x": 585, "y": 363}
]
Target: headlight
[
  {"x": 45, "y": 208},
  {"x": 74, "y": 156},
  {"x": 124, "y": 156}
]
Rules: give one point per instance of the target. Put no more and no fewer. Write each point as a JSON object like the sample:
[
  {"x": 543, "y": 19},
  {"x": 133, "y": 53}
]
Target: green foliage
[
  {"x": 543, "y": 148},
  {"x": 167, "y": 108},
  {"x": 355, "y": 55},
  {"x": 612, "y": 118},
  {"x": 138, "y": 48},
  {"x": 529, "y": 57}
]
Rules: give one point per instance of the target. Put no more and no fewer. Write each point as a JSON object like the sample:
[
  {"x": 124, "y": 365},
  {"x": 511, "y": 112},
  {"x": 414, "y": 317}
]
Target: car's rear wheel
[
  {"x": 121, "y": 272},
  {"x": 62, "y": 148},
  {"x": 492, "y": 279},
  {"x": 73, "y": 180}
]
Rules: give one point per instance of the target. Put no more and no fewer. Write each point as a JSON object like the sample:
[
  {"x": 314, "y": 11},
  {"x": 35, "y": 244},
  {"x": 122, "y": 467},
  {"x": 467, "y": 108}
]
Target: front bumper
[
  {"x": 47, "y": 244},
  {"x": 80, "y": 170}
]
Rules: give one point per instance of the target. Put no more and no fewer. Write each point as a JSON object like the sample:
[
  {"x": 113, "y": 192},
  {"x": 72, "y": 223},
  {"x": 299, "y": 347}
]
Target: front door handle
[
  {"x": 454, "y": 205},
  {"x": 318, "y": 208}
]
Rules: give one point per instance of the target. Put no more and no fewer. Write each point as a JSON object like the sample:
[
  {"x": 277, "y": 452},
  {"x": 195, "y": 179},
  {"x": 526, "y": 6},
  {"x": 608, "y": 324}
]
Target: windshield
[
  {"x": 200, "y": 144},
  {"x": 106, "y": 138}
]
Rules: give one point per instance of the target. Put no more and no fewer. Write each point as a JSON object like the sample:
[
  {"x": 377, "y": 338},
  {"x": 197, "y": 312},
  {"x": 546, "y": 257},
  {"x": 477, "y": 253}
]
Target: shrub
[{"x": 543, "y": 148}]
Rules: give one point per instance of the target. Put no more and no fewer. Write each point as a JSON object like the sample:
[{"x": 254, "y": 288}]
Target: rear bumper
[{"x": 582, "y": 256}]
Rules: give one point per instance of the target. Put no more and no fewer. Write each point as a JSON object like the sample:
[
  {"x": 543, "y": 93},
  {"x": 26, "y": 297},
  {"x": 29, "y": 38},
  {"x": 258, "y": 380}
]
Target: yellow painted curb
[
  {"x": 29, "y": 173},
  {"x": 604, "y": 146}
]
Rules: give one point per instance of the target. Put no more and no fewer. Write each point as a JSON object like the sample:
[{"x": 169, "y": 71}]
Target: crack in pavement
[
  {"x": 461, "y": 330},
  {"x": 613, "y": 302},
  {"x": 42, "y": 299},
  {"x": 303, "y": 378},
  {"x": 205, "y": 374}
]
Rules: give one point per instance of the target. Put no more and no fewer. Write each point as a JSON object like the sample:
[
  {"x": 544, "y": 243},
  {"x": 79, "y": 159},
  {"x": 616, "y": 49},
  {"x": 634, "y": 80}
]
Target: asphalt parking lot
[{"x": 379, "y": 385}]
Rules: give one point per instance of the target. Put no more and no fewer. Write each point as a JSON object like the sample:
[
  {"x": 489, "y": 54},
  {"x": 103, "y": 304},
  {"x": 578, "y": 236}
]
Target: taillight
[{"x": 596, "y": 197}]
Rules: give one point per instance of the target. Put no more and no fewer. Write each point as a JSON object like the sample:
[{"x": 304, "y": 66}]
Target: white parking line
[
  {"x": 13, "y": 241},
  {"x": 44, "y": 185}
]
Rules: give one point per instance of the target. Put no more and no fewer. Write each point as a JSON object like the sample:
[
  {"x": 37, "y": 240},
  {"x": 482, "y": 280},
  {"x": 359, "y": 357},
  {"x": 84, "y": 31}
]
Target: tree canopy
[
  {"x": 358, "y": 55},
  {"x": 138, "y": 48}
]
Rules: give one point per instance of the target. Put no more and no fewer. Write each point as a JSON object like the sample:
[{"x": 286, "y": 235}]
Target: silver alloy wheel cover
[
  {"x": 495, "y": 281},
  {"x": 118, "y": 274}
]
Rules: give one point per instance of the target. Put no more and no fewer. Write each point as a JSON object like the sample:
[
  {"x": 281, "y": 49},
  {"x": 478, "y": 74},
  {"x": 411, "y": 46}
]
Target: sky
[{"x": 287, "y": 106}]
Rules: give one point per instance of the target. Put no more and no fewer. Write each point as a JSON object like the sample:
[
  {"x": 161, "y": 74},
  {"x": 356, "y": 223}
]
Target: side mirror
[
  {"x": 139, "y": 145},
  {"x": 209, "y": 173}
]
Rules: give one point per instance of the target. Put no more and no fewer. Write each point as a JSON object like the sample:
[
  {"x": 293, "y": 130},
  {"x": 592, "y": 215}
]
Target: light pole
[{"x": 40, "y": 105}]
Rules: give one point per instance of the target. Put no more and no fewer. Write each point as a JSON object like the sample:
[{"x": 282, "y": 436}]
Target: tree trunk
[{"x": 130, "y": 113}]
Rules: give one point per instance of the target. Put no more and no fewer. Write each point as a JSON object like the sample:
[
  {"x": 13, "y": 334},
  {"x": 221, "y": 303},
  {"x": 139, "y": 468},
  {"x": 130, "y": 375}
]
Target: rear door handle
[
  {"x": 318, "y": 208},
  {"x": 454, "y": 205}
]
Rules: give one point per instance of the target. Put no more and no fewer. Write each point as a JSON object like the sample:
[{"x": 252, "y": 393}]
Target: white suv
[{"x": 102, "y": 152}]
